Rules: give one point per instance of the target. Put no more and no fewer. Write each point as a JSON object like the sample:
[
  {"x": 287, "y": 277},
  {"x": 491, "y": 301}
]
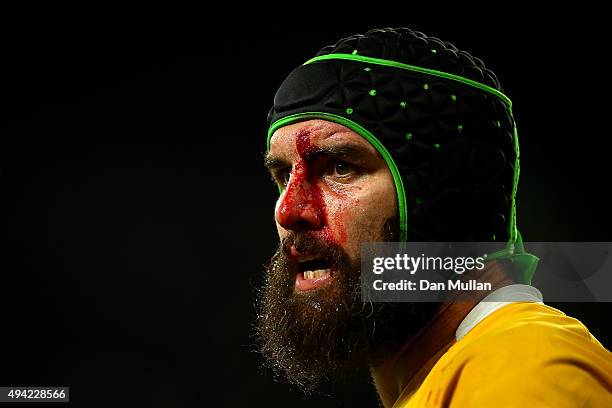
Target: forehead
[{"x": 321, "y": 133}]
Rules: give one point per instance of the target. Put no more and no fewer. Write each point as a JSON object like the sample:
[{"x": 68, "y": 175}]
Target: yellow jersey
[{"x": 521, "y": 355}]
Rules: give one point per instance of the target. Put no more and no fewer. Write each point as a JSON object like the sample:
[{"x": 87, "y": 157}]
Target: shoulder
[
  {"x": 529, "y": 352},
  {"x": 531, "y": 329}
]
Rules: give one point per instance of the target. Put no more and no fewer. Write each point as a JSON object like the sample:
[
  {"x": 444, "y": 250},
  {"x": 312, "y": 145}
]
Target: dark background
[{"x": 137, "y": 214}]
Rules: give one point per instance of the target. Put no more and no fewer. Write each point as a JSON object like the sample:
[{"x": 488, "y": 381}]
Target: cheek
[
  {"x": 345, "y": 217},
  {"x": 340, "y": 217},
  {"x": 354, "y": 221},
  {"x": 359, "y": 215}
]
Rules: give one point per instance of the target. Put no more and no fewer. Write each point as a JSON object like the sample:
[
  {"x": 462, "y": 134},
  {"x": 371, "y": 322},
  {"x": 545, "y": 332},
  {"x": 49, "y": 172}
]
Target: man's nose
[{"x": 300, "y": 207}]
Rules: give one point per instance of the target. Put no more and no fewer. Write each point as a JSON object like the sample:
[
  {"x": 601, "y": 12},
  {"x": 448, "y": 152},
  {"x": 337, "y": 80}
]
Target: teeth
[{"x": 319, "y": 273}]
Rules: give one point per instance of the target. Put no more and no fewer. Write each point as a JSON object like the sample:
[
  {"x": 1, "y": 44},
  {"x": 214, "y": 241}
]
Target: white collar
[{"x": 495, "y": 300}]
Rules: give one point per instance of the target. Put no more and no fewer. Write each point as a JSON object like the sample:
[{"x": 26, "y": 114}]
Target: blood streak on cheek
[{"x": 339, "y": 222}]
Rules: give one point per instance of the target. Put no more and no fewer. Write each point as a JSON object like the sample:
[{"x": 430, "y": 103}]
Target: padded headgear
[{"x": 437, "y": 116}]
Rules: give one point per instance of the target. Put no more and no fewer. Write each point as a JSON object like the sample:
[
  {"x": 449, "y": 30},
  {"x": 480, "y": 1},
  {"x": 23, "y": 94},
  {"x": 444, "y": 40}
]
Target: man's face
[{"x": 337, "y": 192}]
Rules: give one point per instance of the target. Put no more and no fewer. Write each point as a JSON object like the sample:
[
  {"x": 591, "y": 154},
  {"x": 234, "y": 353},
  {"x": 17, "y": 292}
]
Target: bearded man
[{"x": 397, "y": 136}]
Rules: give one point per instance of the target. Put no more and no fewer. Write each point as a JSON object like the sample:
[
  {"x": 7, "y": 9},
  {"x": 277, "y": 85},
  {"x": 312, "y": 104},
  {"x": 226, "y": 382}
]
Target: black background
[{"x": 137, "y": 214}]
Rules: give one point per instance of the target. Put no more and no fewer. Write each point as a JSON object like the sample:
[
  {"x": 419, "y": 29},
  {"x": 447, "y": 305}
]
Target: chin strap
[{"x": 524, "y": 263}]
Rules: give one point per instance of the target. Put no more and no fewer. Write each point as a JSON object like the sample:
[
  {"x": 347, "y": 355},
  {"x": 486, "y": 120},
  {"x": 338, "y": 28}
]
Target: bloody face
[
  {"x": 337, "y": 192},
  {"x": 337, "y": 189}
]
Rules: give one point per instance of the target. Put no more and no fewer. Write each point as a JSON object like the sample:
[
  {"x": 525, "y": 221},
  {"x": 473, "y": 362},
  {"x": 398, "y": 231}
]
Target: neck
[{"x": 407, "y": 368}]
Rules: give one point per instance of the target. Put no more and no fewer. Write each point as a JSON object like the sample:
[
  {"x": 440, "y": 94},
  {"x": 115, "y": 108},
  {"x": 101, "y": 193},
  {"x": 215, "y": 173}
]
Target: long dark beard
[{"x": 329, "y": 334}]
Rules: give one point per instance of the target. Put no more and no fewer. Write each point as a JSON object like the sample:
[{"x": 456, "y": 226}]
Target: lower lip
[{"x": 303, "y": 285}]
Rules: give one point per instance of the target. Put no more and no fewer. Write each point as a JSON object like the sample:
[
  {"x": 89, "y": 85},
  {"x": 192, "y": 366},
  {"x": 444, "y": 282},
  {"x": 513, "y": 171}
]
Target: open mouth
[{"x": 312, "y": 274}]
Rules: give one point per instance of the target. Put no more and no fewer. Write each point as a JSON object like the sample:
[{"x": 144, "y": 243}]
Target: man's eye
[{"x": 341, "y": 169}]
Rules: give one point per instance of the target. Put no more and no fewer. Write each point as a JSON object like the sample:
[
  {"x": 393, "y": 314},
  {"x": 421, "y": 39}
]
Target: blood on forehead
[{"x": 303, "y": 144}]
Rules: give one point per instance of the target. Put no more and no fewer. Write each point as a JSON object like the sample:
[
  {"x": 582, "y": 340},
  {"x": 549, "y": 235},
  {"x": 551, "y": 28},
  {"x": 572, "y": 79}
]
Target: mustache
[{"x": 307, "y": 243}]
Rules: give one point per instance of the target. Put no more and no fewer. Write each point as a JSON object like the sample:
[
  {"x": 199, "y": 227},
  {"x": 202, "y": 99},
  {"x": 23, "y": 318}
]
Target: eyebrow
[
  {"x": 273, "y": 163},
  {"x": 341, "y": 151}
]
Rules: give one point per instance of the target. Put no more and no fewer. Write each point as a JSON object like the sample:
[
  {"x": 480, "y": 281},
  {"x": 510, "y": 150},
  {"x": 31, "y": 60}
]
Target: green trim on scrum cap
[
  {"x": 434, "y": 72},
  {"x": 513, "y": 233},
  {"x": 515, "y": 251},
  {"x": 366, "y": 134}
]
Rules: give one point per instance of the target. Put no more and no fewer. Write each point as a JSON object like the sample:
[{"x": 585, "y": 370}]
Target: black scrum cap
[{"x": 437, "y": 116}]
